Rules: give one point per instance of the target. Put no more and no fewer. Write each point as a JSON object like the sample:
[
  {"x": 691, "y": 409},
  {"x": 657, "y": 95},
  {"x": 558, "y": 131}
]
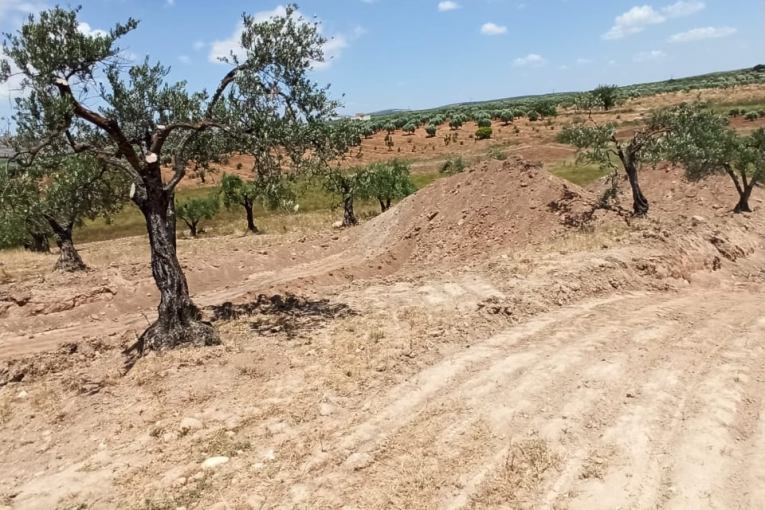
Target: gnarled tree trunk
[
  {"x": 69, "y": 259},
  {"x": 349, "y": 217},
  {"x": 639, "y": 201},
  {"x": 744, "y": 189},
  {"x": 250, "y": 217},
  {"x": 384, "y": 203},
  {"x": 179, "y": 321}
]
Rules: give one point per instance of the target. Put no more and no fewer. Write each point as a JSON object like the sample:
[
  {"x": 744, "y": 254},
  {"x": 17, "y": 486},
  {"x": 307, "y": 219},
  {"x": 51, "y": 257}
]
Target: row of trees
[
  {"x": 691, "y": 135},
  {"x": 605, "y": 97},
  {"x": 383, "y": 182}
]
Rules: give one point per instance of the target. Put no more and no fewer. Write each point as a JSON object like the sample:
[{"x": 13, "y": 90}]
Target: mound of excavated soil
[{"x": 494, "y": 205}]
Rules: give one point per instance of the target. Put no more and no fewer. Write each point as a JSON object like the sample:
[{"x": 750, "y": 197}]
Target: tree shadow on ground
[{"x": 282, "y": 314}]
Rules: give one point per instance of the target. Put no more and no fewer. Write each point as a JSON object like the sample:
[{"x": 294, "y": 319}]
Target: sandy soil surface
[{"x": 467, "y": 349}]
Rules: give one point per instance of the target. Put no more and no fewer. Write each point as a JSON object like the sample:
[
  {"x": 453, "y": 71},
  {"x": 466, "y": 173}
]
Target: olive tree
[
  {"x": 140, "y": 120},
  {"x": 270, "y": 192},
  {"x": 348, "y": 185},
  {"x": 62, "y": 193},
  {"x": 388, "y": 181},
  {"x": 704, "y": 144},
  {"x": 196, "y": 209},
  {"x": 599, "y": 144},
  {"x": 606, "y": 96}
]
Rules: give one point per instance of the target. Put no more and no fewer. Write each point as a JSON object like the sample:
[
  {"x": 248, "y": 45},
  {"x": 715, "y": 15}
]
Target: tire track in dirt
[{"x": 621, "y": 376}]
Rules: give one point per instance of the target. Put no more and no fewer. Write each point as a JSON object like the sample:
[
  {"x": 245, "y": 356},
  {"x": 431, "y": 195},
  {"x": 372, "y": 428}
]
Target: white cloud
[
  {"x": 184, "y": 59},
  {"x": 683, "y": 8},
  {"x": 648, "y": 56},
  {"x": 530, "y": 60},
  {"x": 699, "y": 34},
  {"x": 20, "y": 7},
  {"x": 447, "y": 5},
  {"x": 198, "y": 45},
  {"x": 170, "y": 2},
  {"x": 223, "y": 48},
  {"x": 633, "y": 21},
  {"x": 639, "y": 17},
  {"x": 86, "y": 29},
  {"x": 493, "y": 29}
]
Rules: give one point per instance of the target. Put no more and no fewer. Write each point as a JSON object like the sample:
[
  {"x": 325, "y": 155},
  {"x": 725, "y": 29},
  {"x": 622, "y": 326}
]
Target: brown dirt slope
[{"x": 494, "y": 204}]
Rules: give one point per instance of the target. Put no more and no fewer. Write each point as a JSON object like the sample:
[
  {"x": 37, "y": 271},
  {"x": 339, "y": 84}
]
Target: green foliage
[
  {"x": 410, "y": 128},
  {"x": 701, "y": 140},
  {"x": 506, "y": 116},
  {"x": 388, "y": 181},
  {"x": 456, "y": 122},
  {"x": 752, "y": 116},
  {"x": 453, "y": 166},
  {"x": 431, "y": 130},
  {"x": 483, "y": 133},
  {"x": 194, "y": 210},
  {"x": 66, "y": 191},
  {"x": 271, "y": 192},
  {"x": 607, "y": 96},
  {"x": 484, "y": 122},
  {"x": 533, "y": 116}
]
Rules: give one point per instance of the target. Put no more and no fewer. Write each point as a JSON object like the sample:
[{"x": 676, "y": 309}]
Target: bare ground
[{"x": 620, "y": 367}]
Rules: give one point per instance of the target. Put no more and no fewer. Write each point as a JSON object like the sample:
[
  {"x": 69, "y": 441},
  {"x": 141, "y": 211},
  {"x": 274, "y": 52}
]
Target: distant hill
[{"x": 755, "y": 74}]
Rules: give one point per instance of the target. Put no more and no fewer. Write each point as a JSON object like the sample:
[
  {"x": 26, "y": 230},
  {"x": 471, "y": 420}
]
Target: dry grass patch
[{"x": 514, "y": 484}]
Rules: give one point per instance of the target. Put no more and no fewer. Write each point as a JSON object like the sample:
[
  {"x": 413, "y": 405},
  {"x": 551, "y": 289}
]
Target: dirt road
[{"x": 638, "y": 401}]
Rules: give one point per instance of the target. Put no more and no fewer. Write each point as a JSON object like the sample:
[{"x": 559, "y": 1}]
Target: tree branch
[{"x": 110, "y": 126}]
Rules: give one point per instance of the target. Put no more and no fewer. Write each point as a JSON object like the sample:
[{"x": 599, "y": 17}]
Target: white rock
[
  {"x": 214, "y": 462},
  {"x": 698, "y": 220},
  {"x": 189, "y": 424},
  {"x": 325, "y": 409},
  {"x": 337, "y": 224},
  {"x": 22, "y": 395}
]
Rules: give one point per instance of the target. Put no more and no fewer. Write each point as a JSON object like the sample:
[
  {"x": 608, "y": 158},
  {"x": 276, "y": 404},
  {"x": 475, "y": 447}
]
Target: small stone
[
  {"x": 22, "y": 395},
  {"x": 698, "y": 220},
  {"x": 338, "y": 224},
  {"x": 214, "y": 462},
  {"x": 325, "y": 409},
  {"x": 189, "y": 424}
]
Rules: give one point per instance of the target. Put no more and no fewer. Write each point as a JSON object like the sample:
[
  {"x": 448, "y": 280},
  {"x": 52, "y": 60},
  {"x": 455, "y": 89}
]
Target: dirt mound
[{"x": 493, "y": 205}]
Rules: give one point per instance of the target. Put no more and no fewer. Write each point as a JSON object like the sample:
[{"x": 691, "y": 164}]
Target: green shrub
[
  {"x": 752, "y": 116},
  {"x": 410, "y": 128},
  {"x": 431, "y": 130},
  {"x": 484, "y": 122},
  {"x": 453, "y": 166},
  {"x": 533, "y": 116},
  {"x": 483, "y": 133}
]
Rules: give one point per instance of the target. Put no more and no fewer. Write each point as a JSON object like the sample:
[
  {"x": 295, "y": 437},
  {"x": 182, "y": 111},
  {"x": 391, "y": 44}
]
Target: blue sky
[{"x": 424, "y": 53}]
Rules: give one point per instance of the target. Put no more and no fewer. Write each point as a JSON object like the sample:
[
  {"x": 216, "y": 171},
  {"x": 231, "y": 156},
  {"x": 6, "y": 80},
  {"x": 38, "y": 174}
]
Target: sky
[{"x": 424, "y": 53}]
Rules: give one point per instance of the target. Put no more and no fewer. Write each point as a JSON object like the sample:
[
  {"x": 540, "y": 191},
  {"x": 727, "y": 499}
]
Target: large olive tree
[
  {"x": 139, "y": 120},
  {"x": 703, "y": 142},
  {"x": 57, "y": 195}
]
